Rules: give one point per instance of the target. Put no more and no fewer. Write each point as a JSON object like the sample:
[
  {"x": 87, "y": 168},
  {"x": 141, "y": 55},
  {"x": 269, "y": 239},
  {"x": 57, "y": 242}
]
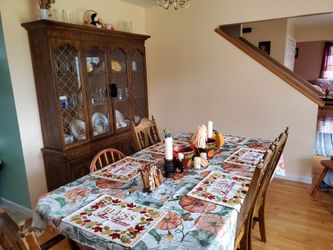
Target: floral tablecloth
[{"x": 189, "y": 224}]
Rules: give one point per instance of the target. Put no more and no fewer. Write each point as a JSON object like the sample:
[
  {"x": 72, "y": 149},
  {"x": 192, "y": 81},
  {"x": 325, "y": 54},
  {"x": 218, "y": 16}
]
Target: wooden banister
[{"x": 270, "y": 63}]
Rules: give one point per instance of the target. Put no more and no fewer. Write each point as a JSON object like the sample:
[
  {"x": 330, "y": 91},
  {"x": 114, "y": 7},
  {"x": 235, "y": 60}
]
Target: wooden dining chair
[
  {"x": 9, "y": 233},
  {"x": 328, "y": 165},
  {"x": 105, "y": 157},
  {"x": 258, "y": 214},
  {"x": 145, "y": 134},
  {"x": 244, "y": 218},
  {"x": 13, "y": 237}
]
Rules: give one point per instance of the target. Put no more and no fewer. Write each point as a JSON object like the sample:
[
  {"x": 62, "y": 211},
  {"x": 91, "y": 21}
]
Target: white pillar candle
[
  {"x": 168, "y": 149},
  {"x": 197, "y": 162},
  {"x": 210, "y": 129}
]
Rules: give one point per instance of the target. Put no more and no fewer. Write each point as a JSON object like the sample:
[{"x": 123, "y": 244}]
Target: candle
[
  {"x": 210, "y": 129},
  {"x": 197, "y": 162},
  {"x": 168, "y": 148}
]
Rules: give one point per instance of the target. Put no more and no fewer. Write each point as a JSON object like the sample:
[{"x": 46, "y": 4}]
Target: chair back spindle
[{"x": 105, "y": 157}]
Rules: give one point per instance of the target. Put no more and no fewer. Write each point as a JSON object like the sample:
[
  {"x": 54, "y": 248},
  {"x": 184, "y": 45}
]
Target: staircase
[{"x": 232, "y": 34}]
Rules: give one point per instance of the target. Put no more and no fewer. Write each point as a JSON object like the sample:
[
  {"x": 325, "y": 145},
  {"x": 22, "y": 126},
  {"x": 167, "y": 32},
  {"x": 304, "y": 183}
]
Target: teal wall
[{"x": 13, "y": 178}]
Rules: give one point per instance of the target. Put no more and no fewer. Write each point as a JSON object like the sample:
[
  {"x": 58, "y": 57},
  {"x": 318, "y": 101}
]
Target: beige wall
[
  {"x": 16, "y": 39},
  {"x": 314, "y": 33},
  {"x": 274, "y": 31},
  {"x": 195, "y": 75},
  {"x": 291, "y": 29}
]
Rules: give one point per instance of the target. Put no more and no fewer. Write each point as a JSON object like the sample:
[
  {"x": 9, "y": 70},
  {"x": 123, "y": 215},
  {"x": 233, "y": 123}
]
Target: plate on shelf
[
  {"x": 78, "y": 129},
  {"x": 115, "y": 65},
  {"x": 100, "y": 123}
]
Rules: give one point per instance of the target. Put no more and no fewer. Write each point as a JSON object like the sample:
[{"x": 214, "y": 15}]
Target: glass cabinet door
[
  {"x": 97, "y": 88},
  {"x": 68, "y": 85},
  {"x": 138, "y": 80},
  {"x": 119, "y": 89}
]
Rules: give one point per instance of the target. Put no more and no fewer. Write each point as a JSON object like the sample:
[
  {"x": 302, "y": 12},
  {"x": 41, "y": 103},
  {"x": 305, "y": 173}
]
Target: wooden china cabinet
[{"x": 90, "y": 84}]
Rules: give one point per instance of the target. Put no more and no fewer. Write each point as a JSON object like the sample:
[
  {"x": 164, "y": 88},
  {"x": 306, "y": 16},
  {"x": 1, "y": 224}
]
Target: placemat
[
  {"x": 234, "y": 139},
  {"x": 159, "y": 148},
  {"x": 116, "y": 220},
  {"x": 124, "y": 170},
  {"x": 222, "y": 189},
  {"x": 246, "y": 156}
]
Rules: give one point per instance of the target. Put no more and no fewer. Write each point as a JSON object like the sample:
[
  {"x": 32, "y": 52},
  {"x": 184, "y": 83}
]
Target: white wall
[
  {"x": 17, "y": 45},
  {"x": 196, "y": 75}
]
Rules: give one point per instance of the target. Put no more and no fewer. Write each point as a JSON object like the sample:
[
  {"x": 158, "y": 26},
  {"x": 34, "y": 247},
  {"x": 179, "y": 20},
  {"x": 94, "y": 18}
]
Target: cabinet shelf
[
  {"x": 116, "y": 100},
  {"x": 97, "y": 104},
  {"x": 119, "y": 72},
  {"x": 96, "y": 72}
]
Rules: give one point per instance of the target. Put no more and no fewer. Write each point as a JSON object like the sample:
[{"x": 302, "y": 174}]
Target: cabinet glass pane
[
  {"x": 139, "y": 88},
  {"x": 69, "y": 89},
  {"x": 119, "y": 89},
  {"x": 97, "y": 91}
]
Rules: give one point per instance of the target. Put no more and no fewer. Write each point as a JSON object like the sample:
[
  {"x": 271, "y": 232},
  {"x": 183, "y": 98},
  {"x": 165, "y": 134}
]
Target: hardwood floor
[{"x": 294, "y": 220}]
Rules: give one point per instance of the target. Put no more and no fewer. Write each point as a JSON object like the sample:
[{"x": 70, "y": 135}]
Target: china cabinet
[{"x": 90, "y": 85}]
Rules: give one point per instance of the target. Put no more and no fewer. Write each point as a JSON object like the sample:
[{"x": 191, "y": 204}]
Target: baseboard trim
[
  {"x": 297, "y": 178},
  {"x": 17, "y": 207}
]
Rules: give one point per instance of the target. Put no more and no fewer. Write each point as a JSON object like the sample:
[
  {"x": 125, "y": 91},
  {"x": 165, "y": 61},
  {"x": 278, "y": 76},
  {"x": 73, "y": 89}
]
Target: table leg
[{"x": 316, "y": 187}]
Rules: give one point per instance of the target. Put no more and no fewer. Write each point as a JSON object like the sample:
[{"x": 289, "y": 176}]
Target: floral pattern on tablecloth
[
  {"x": 257, "y": 143},
  {"x": 236, "y": 169},
  {"x": 185, "y": 137},
  {"x": 222, "y": 189},
  {"x": 190, "y": 223}
]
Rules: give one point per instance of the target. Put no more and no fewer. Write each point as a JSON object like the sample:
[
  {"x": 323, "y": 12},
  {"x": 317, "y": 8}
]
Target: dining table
[{"x": 187, "y": 222}]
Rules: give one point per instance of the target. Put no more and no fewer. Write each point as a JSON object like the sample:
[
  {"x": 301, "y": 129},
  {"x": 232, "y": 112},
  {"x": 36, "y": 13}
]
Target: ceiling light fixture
[{"x": 176, "y": 3}]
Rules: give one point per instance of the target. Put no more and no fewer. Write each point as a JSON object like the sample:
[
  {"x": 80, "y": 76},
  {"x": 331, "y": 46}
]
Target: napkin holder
[{"x": 152, "y": 178}]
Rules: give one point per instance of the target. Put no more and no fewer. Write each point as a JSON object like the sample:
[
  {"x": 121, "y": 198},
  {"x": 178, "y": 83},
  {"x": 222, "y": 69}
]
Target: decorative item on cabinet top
[
  {"x": 44, "y": 8},
  {"x": 92, "y": 18}
]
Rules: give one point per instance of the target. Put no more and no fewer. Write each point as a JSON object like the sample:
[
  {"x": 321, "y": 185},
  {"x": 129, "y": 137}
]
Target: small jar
[{"x": 197, "y": 162}]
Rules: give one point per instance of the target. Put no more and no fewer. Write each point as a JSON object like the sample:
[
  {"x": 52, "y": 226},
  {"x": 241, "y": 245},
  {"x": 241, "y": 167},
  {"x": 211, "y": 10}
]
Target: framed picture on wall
[
  {"x": 265, "y": 46},
  {"x": 296, "y": 52}
]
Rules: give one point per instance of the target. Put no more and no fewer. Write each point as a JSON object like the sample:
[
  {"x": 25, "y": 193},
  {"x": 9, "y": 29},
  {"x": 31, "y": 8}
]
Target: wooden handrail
[{"x": 275, "y": 67}]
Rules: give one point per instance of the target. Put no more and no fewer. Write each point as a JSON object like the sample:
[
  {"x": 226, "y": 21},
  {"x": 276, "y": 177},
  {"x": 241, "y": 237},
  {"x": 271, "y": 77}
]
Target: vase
[{"x": 44, "y": 13}]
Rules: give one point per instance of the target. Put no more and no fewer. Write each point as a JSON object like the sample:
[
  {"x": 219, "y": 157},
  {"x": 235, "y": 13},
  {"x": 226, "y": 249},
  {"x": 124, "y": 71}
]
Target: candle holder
[
  {"x": 200, "y": 150},
  {"x": 178, "y": 166},
  {"x": 168, "y": 168}
]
